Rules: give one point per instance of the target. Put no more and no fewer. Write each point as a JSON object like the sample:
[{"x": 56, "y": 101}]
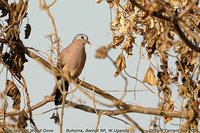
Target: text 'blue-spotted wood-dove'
[{"x": 71, "y": 61}]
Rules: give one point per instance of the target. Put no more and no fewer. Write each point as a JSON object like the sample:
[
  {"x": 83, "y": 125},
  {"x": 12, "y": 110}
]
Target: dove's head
[{"x": 81, "y": 37}]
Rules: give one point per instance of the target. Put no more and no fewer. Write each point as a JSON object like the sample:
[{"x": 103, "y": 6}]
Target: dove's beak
[{"x": 88, "y": 42}]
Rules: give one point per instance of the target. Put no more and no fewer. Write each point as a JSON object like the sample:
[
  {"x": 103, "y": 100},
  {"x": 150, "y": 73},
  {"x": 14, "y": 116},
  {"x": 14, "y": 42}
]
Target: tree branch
[
  {"x": 126, "y": 108},
  {"x": 116, "y": 102},
  {"x": 45, "y": 7},
  {"x": 184, "y": 38},
  {"x": 86, "y": 108}
]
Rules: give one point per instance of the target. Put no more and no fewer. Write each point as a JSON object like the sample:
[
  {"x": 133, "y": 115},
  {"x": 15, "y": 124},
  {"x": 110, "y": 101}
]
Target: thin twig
[
  {"x": 141, "y": 82},
  {"x": 85, "y": 92},
  {"x": 125, "y": 79},
  {"x": 122, "y": 120},
  {"x": 136, "y": 75},
  {"x": 29, "y": 104},
  {"x": 134, "y": 123},
  {"x": 98, "y": 121},
  {"x": 45, "y": 7}
]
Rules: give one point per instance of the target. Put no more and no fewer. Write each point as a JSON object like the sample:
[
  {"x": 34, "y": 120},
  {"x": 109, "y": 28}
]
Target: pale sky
[{"x": 73, "y": 17}]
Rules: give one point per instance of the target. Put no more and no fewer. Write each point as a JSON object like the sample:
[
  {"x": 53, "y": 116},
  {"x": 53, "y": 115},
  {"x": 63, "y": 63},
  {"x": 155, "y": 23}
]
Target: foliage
[
  {"x": 169, "y": 31},
  {"x": 169, "y": 28}
]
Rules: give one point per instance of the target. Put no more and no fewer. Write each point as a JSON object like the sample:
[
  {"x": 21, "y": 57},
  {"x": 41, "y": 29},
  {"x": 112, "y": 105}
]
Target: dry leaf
[
  {"x": 98, "y": 1},
  {"x": 183, "y": 91},
  {"x": 101, "y": 52},
  {"x": 169, "y": 106},
  {"x": 150, "y": 78},
  {"x": 4, "y": 10},
  {"x": 163, "y": 76},
  {"x": 167, "y": 119},
  {"x": 120, "y": 64},
  {"x": 128, "y": 44},
  {"x": 13, "y": 92},
  {"x": 175, "y": 4},
  {"x": 167, "y": 92},
  {"x": 152, "y": 23},
  {"x": 125, "y": 25},
  {"x": 113, "y": 3},
  {"x": 128, "y": 47},
  {"x": 152, "y": 7},
  {"x": 198, "y": 92},
  {"x": 22, "y": 119},
  {"x": 117, "y": 40},
  {"x": 55, "y": 117},
  {"x": 27, "y": 31},
  {"x": 3, "y": 102},
  {"x": 116, "y": 21}
]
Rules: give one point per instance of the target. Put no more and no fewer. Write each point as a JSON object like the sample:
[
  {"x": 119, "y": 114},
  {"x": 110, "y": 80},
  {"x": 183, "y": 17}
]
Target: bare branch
[
  {"x": 116, "y": 102},
  {"x": 29, "y": 104},
  {"x": 45, "y": 7},
  {"x": 131, "y": 109}
]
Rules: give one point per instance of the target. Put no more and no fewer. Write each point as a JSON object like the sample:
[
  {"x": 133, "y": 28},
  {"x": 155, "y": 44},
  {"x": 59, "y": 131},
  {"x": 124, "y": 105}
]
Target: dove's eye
[{"x": 82, "y": 37}]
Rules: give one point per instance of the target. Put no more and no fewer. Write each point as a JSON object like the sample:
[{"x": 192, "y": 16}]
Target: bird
[{"x": 71, "y": 62}]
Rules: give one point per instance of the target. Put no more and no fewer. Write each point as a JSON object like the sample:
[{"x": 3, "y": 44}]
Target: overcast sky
[{"x": 73, "y": 17}]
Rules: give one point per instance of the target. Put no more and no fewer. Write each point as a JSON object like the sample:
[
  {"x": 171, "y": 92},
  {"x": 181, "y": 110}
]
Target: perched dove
[{"x": 71, "y": 62}]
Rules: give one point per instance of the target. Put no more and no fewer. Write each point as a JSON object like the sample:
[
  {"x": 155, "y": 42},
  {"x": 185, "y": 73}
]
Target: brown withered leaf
[
  {"x": 167, "y": 92},
  {"x": 113, "y": 3},
  {"x": 152, "y": 23},
  {"x": 4, "y": 10},
  {"x": 154, "y": 7},
  {"x": 128, "y": 47},
  {"x": 128, "y": 44},
  {"x": 169, "y": 106},
  {"x": 151, "y": 49},
  {"x": 117, "y": 40},
  {"x": 175, "y": 78},
  {"x": 167, "y": 119},
  {"x": 120, "y": 64},
  {"x": 149, "y": 40},
  {"x": 183, "y": 91},
  {"x": 19, "y": 6},
  {"x": 149, "y": 77},
  {"x": 125, "y": 26},
  {"x": 131, "y": 38},
  {"x": 175, "y": 4},
  {"x": 101, "y": 52},
  {"x": 114, "y": 24},
  {"x": 98, "y": 1},
  {"x": 3, "y": 102},
  {"x": 128, "y": 8},
  {"x": 12, "y": 91},
  {"x": 22, "y": 119},
  {"x": 27, "y": 31},
  {"x": 55, "y": 117},
  {"x": 198, "y": 92},
  {"x": 163, "y": 76}
]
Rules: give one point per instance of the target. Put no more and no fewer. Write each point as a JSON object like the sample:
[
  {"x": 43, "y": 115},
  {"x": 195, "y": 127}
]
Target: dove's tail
[{"x": 58, "y": 95}]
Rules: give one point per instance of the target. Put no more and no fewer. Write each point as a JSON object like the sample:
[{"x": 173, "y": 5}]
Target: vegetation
[{"x": 170, "y": 33}]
